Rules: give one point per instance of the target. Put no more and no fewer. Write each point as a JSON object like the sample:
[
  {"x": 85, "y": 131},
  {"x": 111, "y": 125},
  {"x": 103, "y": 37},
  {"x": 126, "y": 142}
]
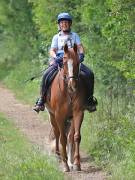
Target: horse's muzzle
[{"x": 72, "y": 84}]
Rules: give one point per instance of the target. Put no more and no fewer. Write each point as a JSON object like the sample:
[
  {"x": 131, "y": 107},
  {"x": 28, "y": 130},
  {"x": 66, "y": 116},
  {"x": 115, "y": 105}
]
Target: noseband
[{"x": 73, "y": 77}]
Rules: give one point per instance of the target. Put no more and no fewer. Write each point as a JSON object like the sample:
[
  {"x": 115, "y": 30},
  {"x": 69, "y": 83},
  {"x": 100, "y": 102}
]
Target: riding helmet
[{"x": 64, "y": 16}]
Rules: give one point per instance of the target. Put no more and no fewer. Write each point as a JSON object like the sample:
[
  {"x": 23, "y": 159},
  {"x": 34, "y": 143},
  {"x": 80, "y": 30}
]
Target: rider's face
[{"x": 65, "y": 25}]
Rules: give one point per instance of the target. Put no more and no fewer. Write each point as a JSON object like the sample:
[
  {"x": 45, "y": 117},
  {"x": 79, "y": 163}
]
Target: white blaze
[{"x": 70, "y": 67}]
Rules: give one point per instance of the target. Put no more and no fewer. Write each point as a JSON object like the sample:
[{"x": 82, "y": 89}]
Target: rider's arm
[
  {"x": 80, "y": 48},
  {"x": 79, "y": 44},
  {"x": 54, "y": 46},
  {"x": 53, "y": 52},
  {"x": 81, "y": 52}
]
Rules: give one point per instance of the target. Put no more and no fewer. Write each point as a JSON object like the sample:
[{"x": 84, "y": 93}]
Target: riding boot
[
  {"x": 91, "y": 104},
  {"x": 89, "y": 79},
  {"x": 39, "y": 106},
  {"x": 45, "y": 83}
]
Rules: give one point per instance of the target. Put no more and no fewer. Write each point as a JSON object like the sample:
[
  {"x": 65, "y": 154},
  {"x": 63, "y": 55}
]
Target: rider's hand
[
  {"x": 81, "y": 57},
  {"x": 60, "y": 55},
  {"x": 58, "y": 60}
]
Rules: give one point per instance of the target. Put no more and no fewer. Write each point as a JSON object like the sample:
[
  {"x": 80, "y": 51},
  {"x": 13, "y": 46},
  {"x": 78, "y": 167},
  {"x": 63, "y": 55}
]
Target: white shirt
[{"x": 60, "y": 39}]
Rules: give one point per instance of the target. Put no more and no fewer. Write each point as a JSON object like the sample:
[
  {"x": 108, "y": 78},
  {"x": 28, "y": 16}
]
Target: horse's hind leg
[{"x": 56, "y": 134}]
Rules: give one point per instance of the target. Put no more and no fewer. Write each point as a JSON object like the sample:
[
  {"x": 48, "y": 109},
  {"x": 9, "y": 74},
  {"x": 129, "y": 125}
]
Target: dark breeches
[
  {"x": 48, "y": 76},
  {"x": 51, "y": 72},
  {"x": 89, "y": 78}
]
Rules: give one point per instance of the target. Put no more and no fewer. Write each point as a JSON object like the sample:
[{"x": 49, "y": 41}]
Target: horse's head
[{"x": 71, "y": 66}]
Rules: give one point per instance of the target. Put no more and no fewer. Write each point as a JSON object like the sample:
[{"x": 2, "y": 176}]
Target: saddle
[{"x": 48, "y": 81}]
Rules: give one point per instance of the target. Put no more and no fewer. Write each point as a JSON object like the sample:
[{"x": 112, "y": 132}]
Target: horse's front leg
[
  {"x": 77, "y": 118},
  {"x": 56, "y": 134},
  {"x": 63, "y": 140},
  {"x": 70, "y": 145}
]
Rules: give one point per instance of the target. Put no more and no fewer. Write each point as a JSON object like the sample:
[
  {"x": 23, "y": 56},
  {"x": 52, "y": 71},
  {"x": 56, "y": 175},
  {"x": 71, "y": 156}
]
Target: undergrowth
[{"x": 20, "y": 160}]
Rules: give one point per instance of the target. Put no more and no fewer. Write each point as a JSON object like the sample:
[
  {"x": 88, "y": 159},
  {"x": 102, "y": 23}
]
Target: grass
[
  {"x": 20, "y": 160},
  {"x": 25, "y": 90},
  {"x": 111, "y": 144},
  {"x": 108, "y": 139}
]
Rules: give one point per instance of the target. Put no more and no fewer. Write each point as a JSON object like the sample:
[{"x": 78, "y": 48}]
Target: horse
[{"x": 67, "y": 102}]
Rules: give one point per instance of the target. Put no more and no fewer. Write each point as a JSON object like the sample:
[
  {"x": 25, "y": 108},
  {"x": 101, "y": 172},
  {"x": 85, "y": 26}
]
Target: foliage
[
  {"x": 106, "y": 28},
  {"x": 110, "y": 142}
]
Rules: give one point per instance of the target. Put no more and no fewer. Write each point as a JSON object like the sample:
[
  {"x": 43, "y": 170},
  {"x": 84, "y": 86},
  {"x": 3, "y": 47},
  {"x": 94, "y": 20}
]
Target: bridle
[{"x": 67, "y": 77}]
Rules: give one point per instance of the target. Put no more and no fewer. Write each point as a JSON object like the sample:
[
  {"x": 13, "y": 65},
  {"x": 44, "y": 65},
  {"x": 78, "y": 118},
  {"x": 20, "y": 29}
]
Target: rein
[{"x": 66, "y": 77}]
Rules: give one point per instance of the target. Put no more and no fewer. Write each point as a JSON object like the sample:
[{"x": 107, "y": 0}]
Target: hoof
[
  {"x": 76, "y": 167},
  {"x": 58, "y": 157},
  {"x": 71, "y": 167},
  {"x": 66, "y": 168}
]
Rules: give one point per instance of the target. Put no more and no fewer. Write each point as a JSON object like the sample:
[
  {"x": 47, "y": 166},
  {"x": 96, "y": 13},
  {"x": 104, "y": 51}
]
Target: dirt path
[{"x": 37, "y": 131}]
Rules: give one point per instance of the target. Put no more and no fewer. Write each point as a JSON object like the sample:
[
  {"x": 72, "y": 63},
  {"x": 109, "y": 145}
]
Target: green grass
[
  {"x": 111, "y": 144},
  {"x": 109, "y": 139},
  {"x": 16, "y": 80},
  {"x": 20, "y": 160}
]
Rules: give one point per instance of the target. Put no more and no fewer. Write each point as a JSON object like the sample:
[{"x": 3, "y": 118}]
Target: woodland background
[{"x": 107, "y": 31}]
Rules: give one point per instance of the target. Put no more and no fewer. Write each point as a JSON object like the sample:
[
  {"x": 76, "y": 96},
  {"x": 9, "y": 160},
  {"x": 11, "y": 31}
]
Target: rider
[{"x": 65, "y": 35}]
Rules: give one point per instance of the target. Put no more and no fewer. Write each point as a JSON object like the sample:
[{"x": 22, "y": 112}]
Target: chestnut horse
[{"x": 67, "y": 101}]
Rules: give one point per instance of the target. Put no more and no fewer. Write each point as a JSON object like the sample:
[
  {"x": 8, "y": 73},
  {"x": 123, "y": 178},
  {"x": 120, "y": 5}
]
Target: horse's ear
[
  {"x": 65, "y": 48},
  {"x": 75, "y": 47}
]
